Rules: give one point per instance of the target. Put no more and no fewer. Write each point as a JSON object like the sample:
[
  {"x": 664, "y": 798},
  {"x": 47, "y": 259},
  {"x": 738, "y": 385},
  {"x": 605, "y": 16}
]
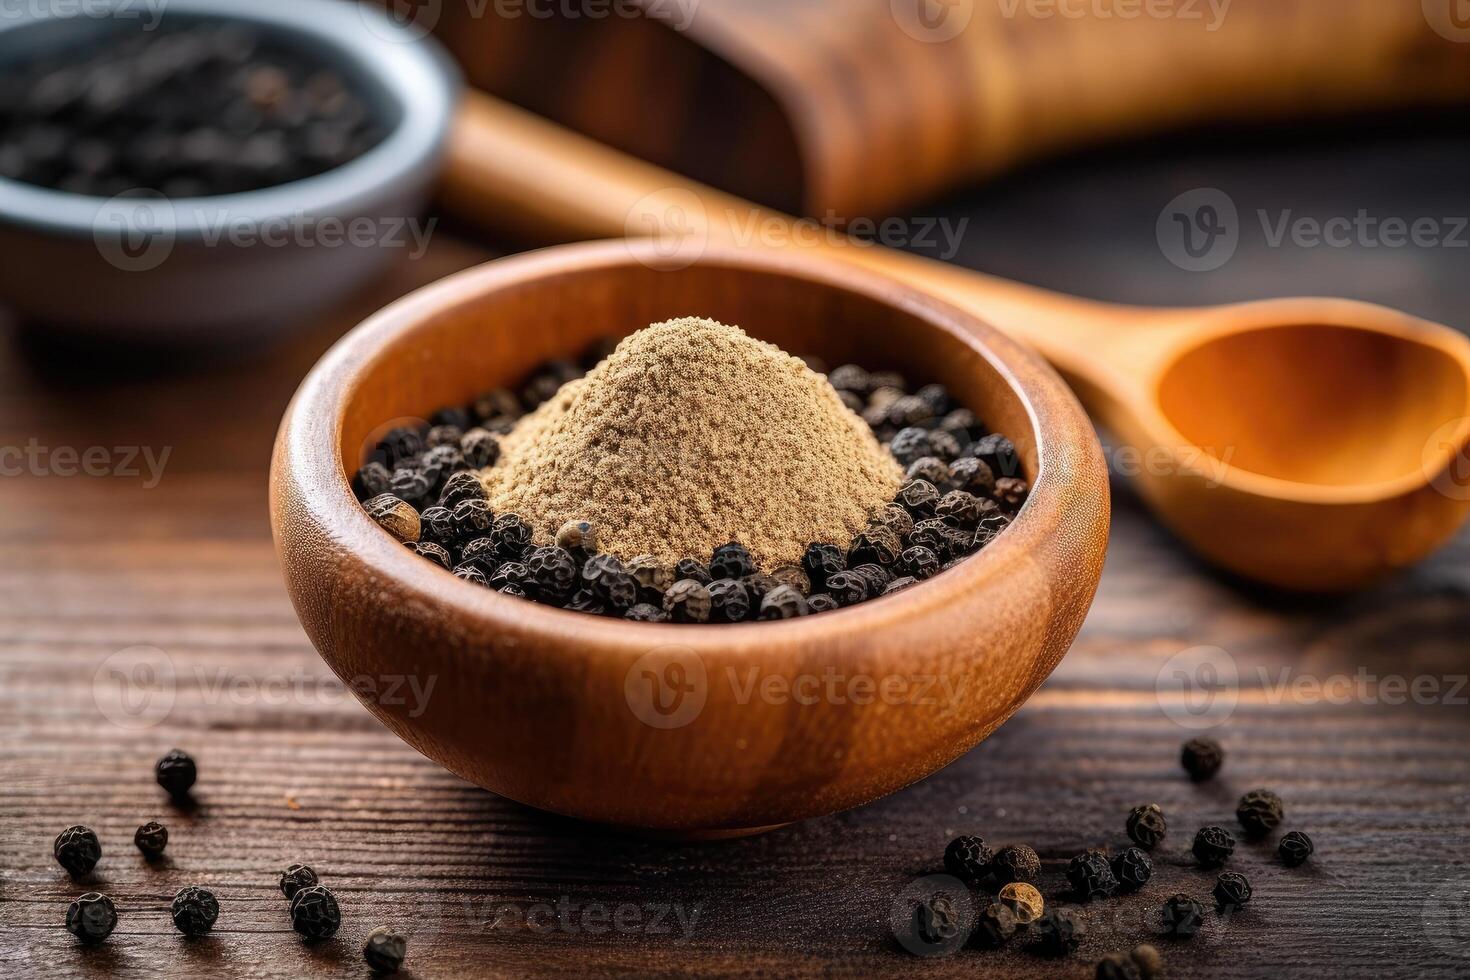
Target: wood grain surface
[{"x": 294, "y": 769}]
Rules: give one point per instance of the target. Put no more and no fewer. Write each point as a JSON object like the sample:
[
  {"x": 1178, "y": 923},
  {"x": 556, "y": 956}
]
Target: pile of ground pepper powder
[{"x": 690, "y": 435}]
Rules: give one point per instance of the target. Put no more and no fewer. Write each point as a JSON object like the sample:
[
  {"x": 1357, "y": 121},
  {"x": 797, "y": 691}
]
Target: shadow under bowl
[{"x": 688, "y": 731}]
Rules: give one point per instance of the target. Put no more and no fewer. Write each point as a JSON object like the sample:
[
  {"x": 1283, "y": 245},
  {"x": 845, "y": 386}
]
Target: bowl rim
[
  {"x": 414, "y": 68},
  {"x": 320, "y": 477}
]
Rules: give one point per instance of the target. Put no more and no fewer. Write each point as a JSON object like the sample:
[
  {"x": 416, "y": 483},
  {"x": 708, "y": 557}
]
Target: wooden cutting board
[{"x": 842, "y": 108}]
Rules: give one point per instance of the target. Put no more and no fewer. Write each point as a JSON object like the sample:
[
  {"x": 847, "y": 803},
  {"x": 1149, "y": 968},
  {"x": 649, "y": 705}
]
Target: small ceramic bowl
[
  {"x": 153, "y": 269},
  {"x": 692, "y": 731}
]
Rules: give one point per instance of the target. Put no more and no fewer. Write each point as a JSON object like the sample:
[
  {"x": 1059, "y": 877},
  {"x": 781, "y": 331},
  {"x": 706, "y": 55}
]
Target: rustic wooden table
[{"x": 119, "y": 569}]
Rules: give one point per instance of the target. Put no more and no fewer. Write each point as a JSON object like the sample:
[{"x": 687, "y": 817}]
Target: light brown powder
[{"x": 689, "y": 435}]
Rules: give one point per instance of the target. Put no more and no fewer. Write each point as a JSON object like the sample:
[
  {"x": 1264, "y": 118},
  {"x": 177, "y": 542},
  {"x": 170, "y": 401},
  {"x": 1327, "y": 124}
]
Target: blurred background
[{"x": 177, "y": 250}]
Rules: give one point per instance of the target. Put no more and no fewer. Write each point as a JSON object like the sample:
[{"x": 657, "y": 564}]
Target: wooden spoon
[{"x": 1313, "y": 444}]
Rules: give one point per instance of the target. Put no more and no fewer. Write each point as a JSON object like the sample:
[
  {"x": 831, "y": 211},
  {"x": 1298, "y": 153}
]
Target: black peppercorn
[
  {"x": 876, "y": 545},
  {"x": 759, "y": 584},
  {"x": 935, "y": 921},
  {"x": 1147, "y": 826},
  {"x": 794, "y": 577},
  {"x": 820, "y": 603},
  {"x": 460, "y": 487},
  {"x": 930, "y": 468},
  {"x": 960, "y": 509},
  {"x": 515, "y": 590},
  {"x": 1202, "y": 758},
  {"x": 497, "y": 403},
  {"x": 944, "y": 445},
  {"x": 453, "y": 417},
  {"x": 731, "y": 560},
  {"x": 512, "y": 537},
  {"x": 1117, "y": 966},
  {"x": 847, "y": 588},
  {"x": 968, "y": 858},
  {"x": 618, "y": 590},
  {"x": 314, "y": 913},
  {"x": 895, "y": 517},
  {"x": 989, "y": 527},
  {"x": 295, "y": 878},
  {"x": 852, "y": 402},
  {"x": 480, "y": 553},
  {"x": 1182, "y": 916},
  {"x": 935, "y": 535},
  {"x": 151, "y": 839},
  {"x": 1010, "y": 492},
  {"x": 443, "y": 435},
  {"x": 471, "y": 519},
  {"x": 912, "y": 443},
  {"x": 972, "y": 475},
  {"x": 1132, "y": 869},
  {"x": 918, "y": 562},
  {"x": 1260, "y": 811},
  {"x": 176, "y": 772},
  {"x": 850, "y": 377},
  {"x": 1015, "y": 862},
  {"x": 471, "y": 574},
  {"x": 384, "y": 950},
  {"x": 553, "y": 572},
  {"x": 877, "y": 578},
  {"x": 1057, "y": 933},
  {"x": 480, "y": 448},
  {"x": 821, "y": 561},
  {"x": 78, "y": 850},
  {"x": 962, "y": 424},
  {"x": 998, "y": 453},
  {"x": 653, "y": 578},
  {"x": 436, "y": 525},
  {"x": 730, "y": 601},
  {"x": 919, "y": 498},
  {"x": 194, "y": 910},
  {"x": 899, "y": 584},
  {"x": 994, "y": 927},
  {"x": 438, "y": 554},
  {"x": 1150, "y": 963},
  {"x": 91, "y": 918},
  {"x": 1295, "y": 847},
  {"x": 397, "y": 517},
  {"x": 906, "y": 411},
  {"x": 372, "y": 480},
  {"x": 578, "y": 538},
  {"x": 411, "y": 485},
  {"x": 400, "y": 445},
  {"x": 645, "y": 612},
  {"x": 1213, "y": 846},
  {"x": 936, "y": 396},
  {"x": 692, "y": 568},
  {"x": 1232, "y": 891},
  {"x": 688, "y": 601},
  {"x": 1091, "y": 876}
]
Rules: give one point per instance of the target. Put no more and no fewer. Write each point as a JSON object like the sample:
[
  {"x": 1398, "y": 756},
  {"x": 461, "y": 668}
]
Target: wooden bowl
[{"x": 689, "y": 731}]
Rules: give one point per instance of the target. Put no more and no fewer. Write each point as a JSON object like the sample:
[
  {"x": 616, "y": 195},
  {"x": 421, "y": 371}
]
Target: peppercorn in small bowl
[
  {"x": 682, "y": 729},
  {"x": 207, "y": 172}
]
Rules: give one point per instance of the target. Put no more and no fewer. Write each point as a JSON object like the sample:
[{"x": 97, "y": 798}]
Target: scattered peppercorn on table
[{"x": 141, "y": 615}]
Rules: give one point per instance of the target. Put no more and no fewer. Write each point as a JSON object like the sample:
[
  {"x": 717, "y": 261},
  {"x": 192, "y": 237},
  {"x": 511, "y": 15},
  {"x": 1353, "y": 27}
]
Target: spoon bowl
[{"x": 690, "y": 731}]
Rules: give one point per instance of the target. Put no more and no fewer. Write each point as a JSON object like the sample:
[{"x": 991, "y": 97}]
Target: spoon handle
[{"x": 519, "y": 173}]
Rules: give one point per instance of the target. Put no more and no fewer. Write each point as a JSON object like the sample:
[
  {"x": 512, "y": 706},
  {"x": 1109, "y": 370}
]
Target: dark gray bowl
[{"x": 233, "y": 268}]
